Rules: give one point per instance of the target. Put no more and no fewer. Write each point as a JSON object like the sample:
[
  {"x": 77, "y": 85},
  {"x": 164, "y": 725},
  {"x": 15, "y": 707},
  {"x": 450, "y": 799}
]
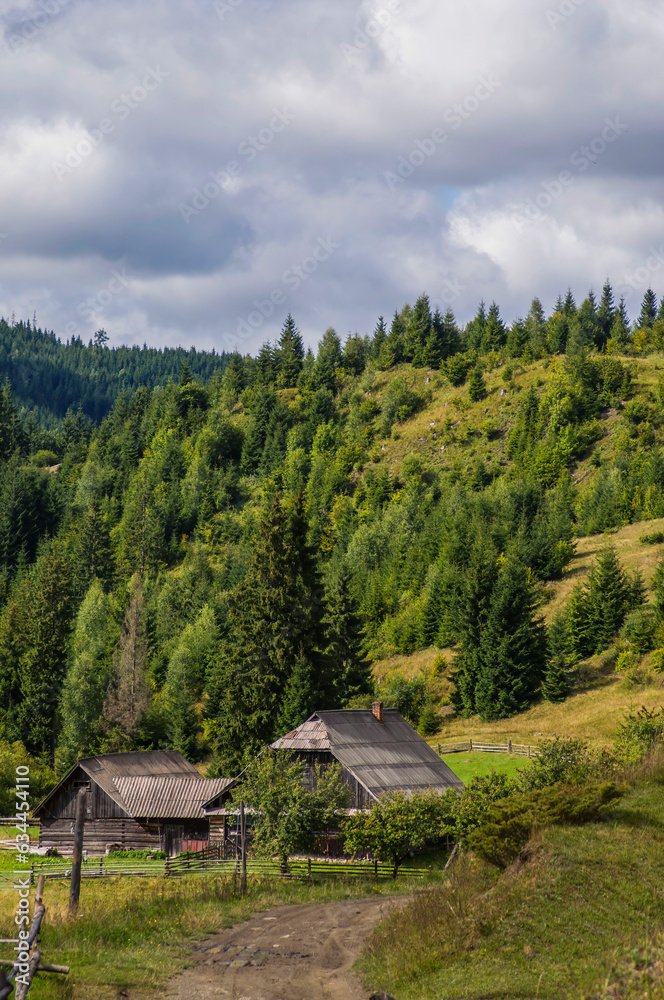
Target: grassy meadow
[{"x": 580, "y": 917}]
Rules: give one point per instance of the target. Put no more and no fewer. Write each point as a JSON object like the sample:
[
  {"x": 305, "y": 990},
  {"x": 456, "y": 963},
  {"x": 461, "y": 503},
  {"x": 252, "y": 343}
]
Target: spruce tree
[
  {"x": 476, "y": 385},
  {"x": 648, "y": 313},
  {"x": 494, "y": 335},
  {"x": 345, "y": 630},
  {"x": 378, "y": 339},
  {"x": 474, "y": 607},
  {"x": 512, "y": 649},
  {"x": 609, "y": 599},
  {"x": 418, "y": 331},
  {"x": 605, "y": 316},
  {"x": 289, "y": 356},
  {"x": 556, "y": 683},
  {"x": 275, "y": 628}
]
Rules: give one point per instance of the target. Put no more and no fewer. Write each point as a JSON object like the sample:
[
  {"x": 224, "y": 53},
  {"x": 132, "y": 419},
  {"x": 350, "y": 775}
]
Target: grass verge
[
  {"x": 473, "y": 765},
  {"x": 581, "y": 913}
]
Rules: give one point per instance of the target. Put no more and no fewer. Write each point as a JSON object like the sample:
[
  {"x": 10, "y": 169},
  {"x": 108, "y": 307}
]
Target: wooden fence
[
  {"x": 464, "y": 746},
  {"x": 28, "y": 962},
  {"x": 304, "y": 868}
]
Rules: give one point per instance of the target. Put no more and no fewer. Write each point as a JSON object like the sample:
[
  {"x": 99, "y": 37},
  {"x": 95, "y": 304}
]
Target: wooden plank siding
[{"x": 98, "y": 805}]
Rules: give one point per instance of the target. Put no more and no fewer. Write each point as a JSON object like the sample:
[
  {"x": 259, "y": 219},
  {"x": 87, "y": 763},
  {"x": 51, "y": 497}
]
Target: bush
[
  {"x": 399, "y": 403},
  {"x": 563, "y": 758},
  {"x": 654, "y": 538},
  {"x": 510, "y": 822},
  {"x": 639, "y": 630},
  {"x": 638, "y": 734}
]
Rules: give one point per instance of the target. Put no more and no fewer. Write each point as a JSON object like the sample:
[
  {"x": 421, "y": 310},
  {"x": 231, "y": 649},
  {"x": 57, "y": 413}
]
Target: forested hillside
[{"x": 213, "y": 557}]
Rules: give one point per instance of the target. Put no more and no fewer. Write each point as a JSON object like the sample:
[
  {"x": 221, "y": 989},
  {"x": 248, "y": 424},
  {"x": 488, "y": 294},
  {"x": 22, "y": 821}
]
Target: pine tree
[
  {"x": 328, "y": 360},
  {"x": 494, "y": 335},
  {"x": 474, "y": 331},
  {"x": 577, "y": 625},
  {"x": 476, "y": 385},
  {"x": 583, "y": 333},
  {"x": 289, "y": 356},
  {"x": 392, "y": 352},
  {"x": 512, "y": 649},
  {"x": 347, "y": 637},
  {"x": 609, "y": 599},
  {"x": 648, "y": 313},
  {"x": 276, "y": 624},
  {"x": 556, "y": 683}
]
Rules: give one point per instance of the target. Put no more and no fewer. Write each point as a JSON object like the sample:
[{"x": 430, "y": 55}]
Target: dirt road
[{"x": 288, "y": 953}]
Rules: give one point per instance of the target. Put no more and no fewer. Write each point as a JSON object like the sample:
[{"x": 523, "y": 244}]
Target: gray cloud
[{"x": 362, "y": 90}]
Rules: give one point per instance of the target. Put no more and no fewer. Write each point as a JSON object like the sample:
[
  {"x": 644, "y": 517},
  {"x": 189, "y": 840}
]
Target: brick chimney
[{"x": 377, "y": 710}]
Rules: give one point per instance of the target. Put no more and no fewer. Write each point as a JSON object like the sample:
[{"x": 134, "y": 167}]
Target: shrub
[
  {"x": 563, "y": 758},
  {"x": 510, "y": 822},
  {"x": 654, "y": 538},
  {"x": 639, "y": 630},
  {"x": 638, "y": 734}
]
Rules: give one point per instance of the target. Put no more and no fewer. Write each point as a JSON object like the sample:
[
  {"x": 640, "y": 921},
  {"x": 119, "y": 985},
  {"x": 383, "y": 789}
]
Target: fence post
[
  {"x": 101, "y": 866},
  {"x": 166, "y": 871},
  {"x": 376, "y": 868},
  {"x": 75, "y": 887},
  {"x": 309, "y": 868},
  {"x": 243, "y": 833},
  {"x": 471, "y": 743},
  {"x": 509, "y": 746},
  {"x": 32, "y": 873}
]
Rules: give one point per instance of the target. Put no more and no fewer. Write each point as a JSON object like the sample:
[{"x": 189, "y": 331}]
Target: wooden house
[
  {"x": 138, "y": 801},
  {"x": 378, "y": 752}
]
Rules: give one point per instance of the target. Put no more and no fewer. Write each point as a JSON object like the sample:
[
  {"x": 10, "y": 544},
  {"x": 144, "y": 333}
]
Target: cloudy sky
[{"x": 188, "y": 171}]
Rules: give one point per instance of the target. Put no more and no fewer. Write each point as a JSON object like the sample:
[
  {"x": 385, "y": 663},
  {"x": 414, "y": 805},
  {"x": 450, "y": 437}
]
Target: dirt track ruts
[{"x": 287, "y": 953}]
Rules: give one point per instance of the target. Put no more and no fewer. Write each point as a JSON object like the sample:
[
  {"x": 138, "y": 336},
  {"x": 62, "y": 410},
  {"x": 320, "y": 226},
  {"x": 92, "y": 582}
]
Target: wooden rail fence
[
  {"x": 34, "y": 964},
  {"x": 464, "y": 746},
  {"x": 306, "y": 869}
]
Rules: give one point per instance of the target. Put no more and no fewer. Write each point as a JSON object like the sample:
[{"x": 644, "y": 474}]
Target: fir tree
[
  {"x": 347, "y": 637},
  {"x": 512, "y": 646},
  {"x": 289, "y": 356},
  {"x": 474, "y": 610},
  {"x": 556, "y": 683},
  {"x": 275, "y": 624},
  {"x": 378, "y": 339},
  {"x": 494, "y": 335},
  {"x": 648, "y": 313},
  {"x": 418, "y": 331},
  {"x": 476, "y": 385}
]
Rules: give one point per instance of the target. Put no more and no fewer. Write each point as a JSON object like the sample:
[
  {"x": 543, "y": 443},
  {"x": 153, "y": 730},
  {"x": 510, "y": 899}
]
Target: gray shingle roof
[
  {"x": 382, "y": 756},
  {"x": 167, "y": 797}
]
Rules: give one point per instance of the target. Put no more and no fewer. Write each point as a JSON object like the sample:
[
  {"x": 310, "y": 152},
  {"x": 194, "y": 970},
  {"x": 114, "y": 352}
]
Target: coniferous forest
[{"x": 198, "y": 549}]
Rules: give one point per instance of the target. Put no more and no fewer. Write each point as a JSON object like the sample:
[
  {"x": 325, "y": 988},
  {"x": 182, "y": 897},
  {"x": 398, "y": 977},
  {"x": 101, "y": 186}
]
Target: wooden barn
[
  {"x": 136, "y": 801},
  {"x": 377, "y": 749}
]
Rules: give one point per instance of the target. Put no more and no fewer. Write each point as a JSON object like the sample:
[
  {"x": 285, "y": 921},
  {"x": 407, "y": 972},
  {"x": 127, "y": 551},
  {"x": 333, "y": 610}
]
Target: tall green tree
[
  {"x": 87, "y": 679},
  {"x": 512, "y": 645},
  {"x": 128, "y": 694},
  {"x": 289, "y": 355},
  {"x": 275, "y": 629}
]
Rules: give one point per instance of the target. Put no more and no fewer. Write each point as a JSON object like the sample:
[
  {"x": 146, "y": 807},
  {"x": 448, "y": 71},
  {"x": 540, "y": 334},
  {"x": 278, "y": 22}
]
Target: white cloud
[{"x": 449, "y": 223}]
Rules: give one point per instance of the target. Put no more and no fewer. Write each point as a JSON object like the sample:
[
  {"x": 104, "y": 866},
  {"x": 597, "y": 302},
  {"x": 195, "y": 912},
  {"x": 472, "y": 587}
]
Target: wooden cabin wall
[
  {"x": 130, "y": 834},
  {"x": 97, "y": 834},
  {"x": 98, "y": 804}
]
